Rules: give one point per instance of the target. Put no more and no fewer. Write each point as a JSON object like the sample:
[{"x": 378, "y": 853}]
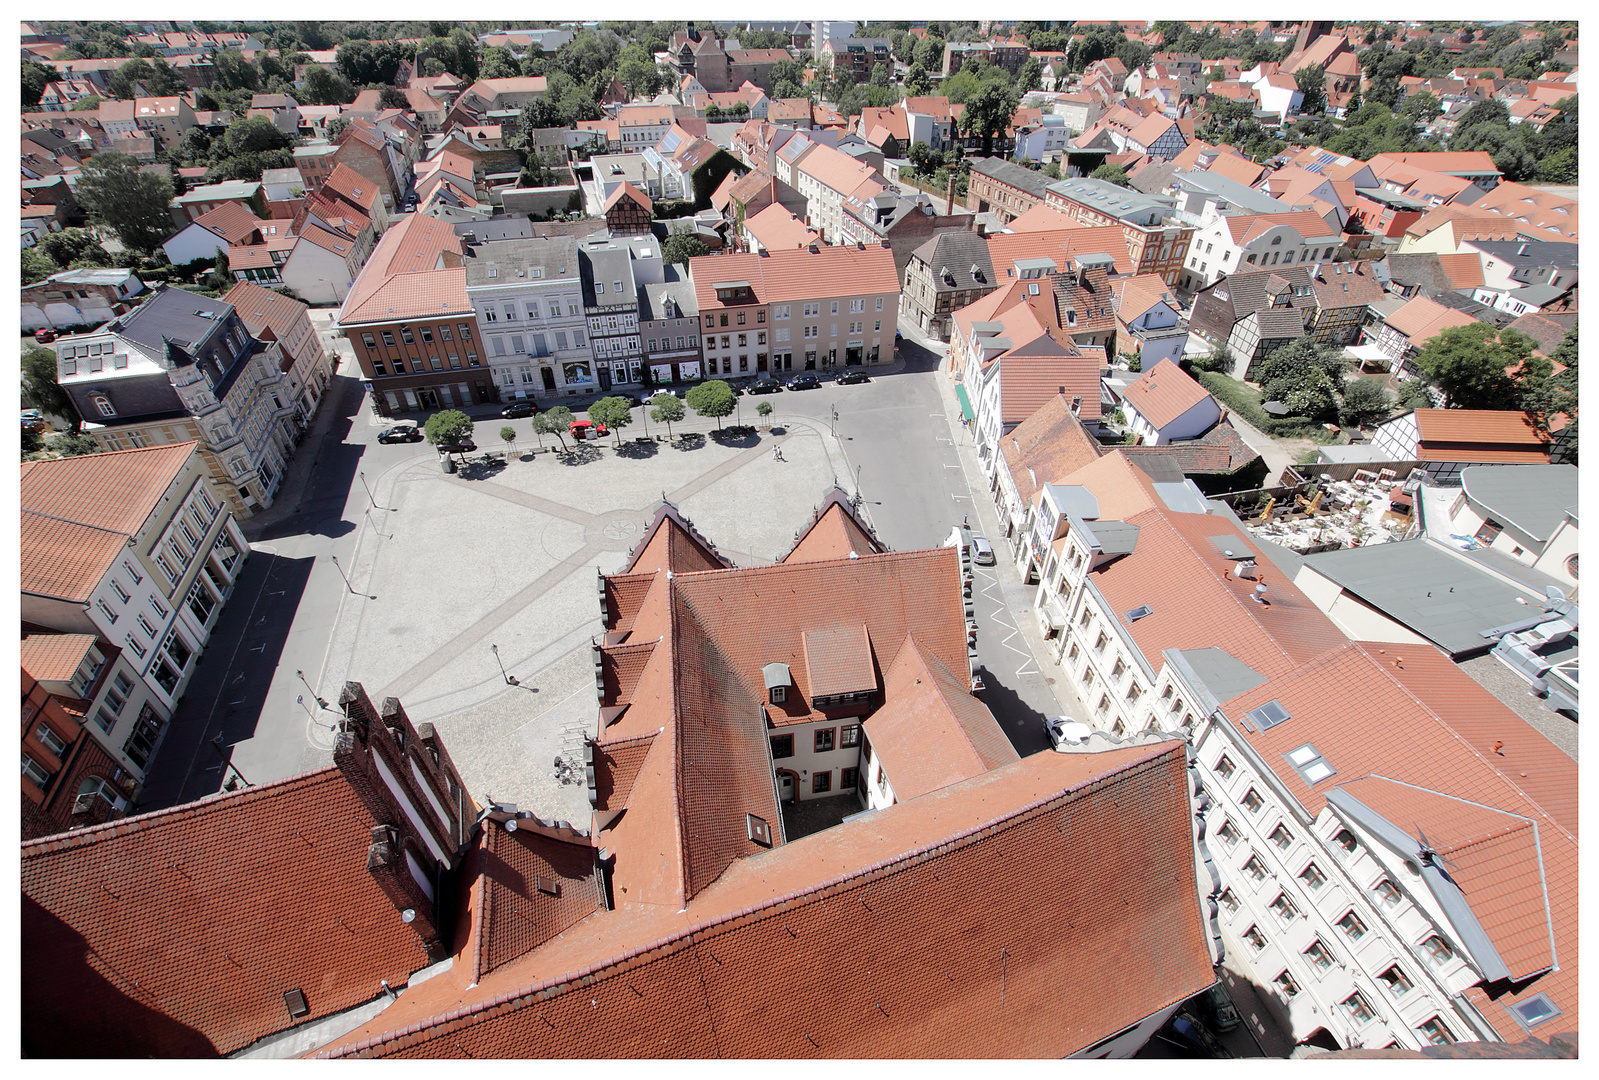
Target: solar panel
[{"x": 1268, "y": 715}]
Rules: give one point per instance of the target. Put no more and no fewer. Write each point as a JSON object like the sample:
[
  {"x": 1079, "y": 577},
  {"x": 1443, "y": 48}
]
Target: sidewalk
[{"x": 333, "y": 407}]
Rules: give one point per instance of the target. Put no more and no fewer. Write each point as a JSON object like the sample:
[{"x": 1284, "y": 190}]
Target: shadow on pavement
[
  {"x": 331, "y": 529},
  {"x": 322, "y": 472},
  {"x": 480, "y": 468},
  {"x": 230, "y": 682},
  {"x": 581, "y": 454},
  {"x": 1023, "y": 725},
  {"x": 638, "y": 450},
  {"x": 691, "y": 441},
  {"x": 736, "y": 437}
]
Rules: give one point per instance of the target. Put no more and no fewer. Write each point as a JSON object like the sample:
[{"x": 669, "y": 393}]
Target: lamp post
[
  {"x": 321, "y": 703},
  {"x": 369, "y": 494},
  {"x": 831, "y": 422},
  {"x": 346, "y": 578},
  {"x": 510, "y": 680}
]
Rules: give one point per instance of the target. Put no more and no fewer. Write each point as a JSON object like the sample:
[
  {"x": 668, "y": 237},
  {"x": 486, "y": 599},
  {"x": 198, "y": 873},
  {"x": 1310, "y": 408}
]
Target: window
[
  {"x": 1437, "y": 950},
  {"x": 710, "y": 320},
  {"x": 466, "y": 331},
  {"x": 1285, "y": 909},
  {"x": 116, "y": 586},
  {"x": 848, "y": 778},
  {"x": 106, "y": 719},
  {"x": 879, "y": 303},
  {"x": 427, "y": 336},
  {"x": 157, "y": 606},
  {"x": 1435, "y": 1032},
  {"x": 1346, "y": 840},
  {"x": 779, "y": 694},
  {"x": 128, "y": 566},
  {"x": 821, "y": 781},
  {"x": 141, "y": 743},
  {"x": 1255, "y": 869},
  {"x": 137, "y": 646},
  {"x": 1313, "y": 878},
  {"x": 144, "y": 624},
  {"x": 1224, "y": 764},
  {"x": 1352, "y": 927},
  {"x": 1357, "y": 1008},
  {"x": 379, "y": 368},
  {"x": 1319, "y": 955},
  {"x": 1252, "y": 801},
  {"x": 444, "y": 333},
  {"x": 824, "y": 740},
  {"x": 369, "y": 341},
  {"x": 849, "y": 735},
  {"x": 1397, "y": 982},
  {"x": 1119, "y": 667},
  {"x": 406, "y": 336},
  {"x": 835, "y": 307},
  {"x": 1229, "y": 902},
  {"x": 782, "y": 746},
  {"x": 616, "y": 287},
  {"x": 1099, "y": 642},
  {"x": 1256, "y": 939},
  {"x": 1387, "y": 892},
  {"x": 50, "y": 739},
  {"x": 1228, "y": 834},
  {"x": 33, "y": 771},
  {"x": 1281, "y": 837},
  {"x": 1285, "y": 985}
]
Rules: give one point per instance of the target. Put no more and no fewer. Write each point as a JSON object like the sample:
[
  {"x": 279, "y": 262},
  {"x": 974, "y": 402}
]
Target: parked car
[
  {"x": 1066, "y": 733},
  {"x": 850, "y": 377},
  {"x": 804, "y": 382},
  {"x": 402, "y": 431},
  {"x": 982, "y": 551},
  {"x": 45, "y": 336},
  {"x": 518, "y": 410},
  {"x": 581, "y": 429},
  {"x": 465, "y": 446},
  {"x": 32, "y": 420},
  {"x": 765, "y": 386}
]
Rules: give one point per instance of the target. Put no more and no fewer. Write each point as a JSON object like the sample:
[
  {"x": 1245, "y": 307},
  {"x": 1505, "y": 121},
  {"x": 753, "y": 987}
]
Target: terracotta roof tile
[
  {"x": 628, "y": 191},
  {"x": 403, "y": 274},
  {"x": 784, "y": 276},
  {"x": 1047, "y": 446},
  {"x": 620, "y": 669},
  {"x": 180, "y": 931},
  {"x": 834, "y": 532},
  {"x": 1446, "y": 433},
  {"x": 55, "y": 657},
  {"x": 873, "y": 896},
  {"x": 1004, "y": 249},
  {"x": 671, "y": 543},
  {"x": 839, "y": 661},
  {"x": 776, "y": 228},
  {"x": 516, "y": 910},
  {"x": 1219, "y": 450},
  {"x": 258, "y": 307},
  {"x": 616, "y": 765},
  {"x": 1422, "y": 318},
  {"x": 1164, "y": 393},
  {"x": 624, "y": 595},
  {"x": 229, "y": 220}
]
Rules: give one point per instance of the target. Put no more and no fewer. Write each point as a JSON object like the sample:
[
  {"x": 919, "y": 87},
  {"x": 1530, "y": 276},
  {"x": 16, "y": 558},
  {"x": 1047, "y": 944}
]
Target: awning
[{"x": 966, "y": 405}]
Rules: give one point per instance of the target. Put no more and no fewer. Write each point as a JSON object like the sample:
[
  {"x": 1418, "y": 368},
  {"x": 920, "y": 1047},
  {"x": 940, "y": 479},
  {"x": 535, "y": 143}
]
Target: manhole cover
[{"x": 620, "y": 530}]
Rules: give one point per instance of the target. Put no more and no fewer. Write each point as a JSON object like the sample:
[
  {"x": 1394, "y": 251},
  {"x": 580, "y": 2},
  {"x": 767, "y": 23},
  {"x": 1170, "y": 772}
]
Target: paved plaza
[{"x": 507, "y": 553}]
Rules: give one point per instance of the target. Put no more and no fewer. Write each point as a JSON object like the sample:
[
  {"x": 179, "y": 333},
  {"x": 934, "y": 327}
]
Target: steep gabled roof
[
  {"x": 1164, "y": 393},
  {"x": 180, "y": 931},
  {"x": 1047, "y": 446},
  {"x": 835, "y": 531},
  {"x": 671, "y": 543}
]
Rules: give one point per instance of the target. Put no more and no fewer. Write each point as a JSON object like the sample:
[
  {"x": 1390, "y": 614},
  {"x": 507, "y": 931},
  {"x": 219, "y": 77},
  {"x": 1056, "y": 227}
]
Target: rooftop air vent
[
  {"x": 294, "y": 1001},
  {"x": 1268, "y": 715}
]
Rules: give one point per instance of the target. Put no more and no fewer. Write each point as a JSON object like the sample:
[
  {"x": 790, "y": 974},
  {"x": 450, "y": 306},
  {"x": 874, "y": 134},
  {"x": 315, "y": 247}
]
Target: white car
[
  {"x": 982, "y": 552},
  {"x": 1066, "y": 733}
]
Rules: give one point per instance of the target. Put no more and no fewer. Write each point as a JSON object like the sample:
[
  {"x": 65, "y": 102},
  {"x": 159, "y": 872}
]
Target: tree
[
  {"x": 498, "y": 63},
  {"x": 1421, "y": 107},
  {"x": 1506, "y": 145},
  {"x": 132, "y": 203},
  {"x": 73, "y": 444},
  {"x": 930, "y": 53},
  {"x": 614, "y": 413},
  {"x": 712, "y": 398},
  {"x": 392, "y": 97},
  {"x": 556, "y": 420},
  {"x": 1414, "y": 394},
  {"x": 163, "y": 81},
  {"x": 764, "y": 410},
  {"x": 989, "y": 112},
  {"x": 1030, "y": 76},
  {"x": 36, "y": 265},
  {"x": 1113, "y": 174},
  {"x": 1487, "y": 111},
  {"x": 1303, "y": 376},
  {"x": 1471, "y": 365},
  {"x": 1364, "y": 401},
  {"x": 35, "y": 77},
  {"x": 336, "y": 127},
  {"x": 917, "y": 82},
  {"x": 253, "y": 135},
  {"x": 666, "y": 408},
  {"x": 122, "y": 83},
  {"x": 638, "y": 72},
  {"x": 75, "y": 248},
  {"x": 681, "y": 247},
  {"x": 448, "y": 429},
  {"x": 1312, "y": 83},
  {"x": 325, "y": 86},
  {"x": 924, "y": 159},
  {"x": 39, "y": 382},
  {"x": 508, "y": 436},
  {"x": 1557, "y": 394}
]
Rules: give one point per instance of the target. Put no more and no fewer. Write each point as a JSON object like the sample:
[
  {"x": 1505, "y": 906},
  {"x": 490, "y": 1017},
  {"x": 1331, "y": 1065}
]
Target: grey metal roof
[
  {"x": 1223, "y": 674},
  {"x": 495, "y": 228},
  {"x": 1231, "y": 192},
  {"x": 607, "y": 261},
  {"x": 147, "y": 397},
  {"x": 1529, "y": 253},
  {"x": 229, "y": 189},
  {"x": 653, "y": 296},
  {"x": 513, "y": 260},
  {"x": 1123, "y": 203},
  {"x": 92, "y": 276},
  {"x": 171, "y": 315},
  {"x": 1008, "y": 172},
  {"x": 1182, "y": 497},
  {"x": 1074, "y": 499},
  {"x": 1115, "y": 537},
  {"x": 1533, "y": 498},
  {"x": 1446, "y": 598}
]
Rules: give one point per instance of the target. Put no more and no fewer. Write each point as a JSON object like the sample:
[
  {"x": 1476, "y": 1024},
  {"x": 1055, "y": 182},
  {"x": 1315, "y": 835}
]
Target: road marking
[
  {"x": 951, "y": 466},
  {"x": 941, "y": 438},
  {"x": 959, "y": 497}
]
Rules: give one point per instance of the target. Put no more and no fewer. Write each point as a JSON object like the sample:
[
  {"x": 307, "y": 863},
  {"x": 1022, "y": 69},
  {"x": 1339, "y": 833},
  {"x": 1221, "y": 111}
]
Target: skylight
[{"x": 1268, "y": 715}]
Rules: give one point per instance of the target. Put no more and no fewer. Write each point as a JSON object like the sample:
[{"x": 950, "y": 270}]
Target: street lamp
[
  {"x": 346, "y": 578},
  {"x": 510, "y": 680},
  {"x": 322, "y": 704},
  {"x": 369, "y": 494},
  {"x": 832, "y": 422}
]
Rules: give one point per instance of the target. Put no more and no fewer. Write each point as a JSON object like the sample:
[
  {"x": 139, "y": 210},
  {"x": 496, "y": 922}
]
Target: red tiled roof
[
  {"x": 1046, "y": 447},
  {"x": 839, "y": 661},
  {"x": 671, "y": 543},
  {"x": 1464, "y": 269},
  {"x": 628, "y": 191},
  {"x": 1486, "y": 435},
  {"x": 1245, "y": 227},
  {"x": 401, "y": 279},
  {"x": 796, "y": 275},
  {"x": 531, "y": 885},
  {"x": 54, "y": 657},
  {"x": 1422, "y": 318},
  {"x": 834, "y": 532},
  {"x": 352, "y": 186},
  {"x": 1043, "y": 218},
  {"x": 327, "y": 241},
  {"x": 180, "y": 931},
  {"x": 777, "y": 229},
  {"x": 229, "y": 220},
  {"x": 835, "y": 169},
  {"x": 1164, "y": 393},
  {"x": 870, "y": 918},
  {"x": 1004, "y": 249}
]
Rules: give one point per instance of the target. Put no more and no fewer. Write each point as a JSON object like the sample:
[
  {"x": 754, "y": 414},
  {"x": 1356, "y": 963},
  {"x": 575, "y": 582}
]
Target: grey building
[
  {"x": 613, "y": 268},
  {"x": 669, "y": 319},
  {"x": 529, "y": 300}
]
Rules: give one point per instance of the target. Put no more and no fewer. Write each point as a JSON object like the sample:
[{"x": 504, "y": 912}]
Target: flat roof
[
  {"x": 1533, "y": 498},
  {"x": 1446, "y": 598}
]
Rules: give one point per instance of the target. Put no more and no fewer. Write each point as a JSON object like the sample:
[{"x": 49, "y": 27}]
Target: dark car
[
  {"x": 465, "y": 446},
  {"x": 400, "y": 433},
  {"x": 804, "y": 382},
  {"x": 518, "y": 410},
  {"x": 853, "y": 377},
  {"x": 765, "y": 386}
]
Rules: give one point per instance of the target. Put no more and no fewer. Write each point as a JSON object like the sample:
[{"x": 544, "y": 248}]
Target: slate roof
[
  {"x": 959, "y": 251},
  {"x": 1017, "y": 176},
  {"x": 180, "y": 938}
]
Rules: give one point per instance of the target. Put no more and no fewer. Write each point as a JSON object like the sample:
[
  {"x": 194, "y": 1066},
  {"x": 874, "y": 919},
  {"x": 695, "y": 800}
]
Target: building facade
[
  {"x": 1156, "y": 242},
  {"x": 307, "y": 367},
  {"x": 528, "y": 299},
  {"x": 613, "y": 272}
]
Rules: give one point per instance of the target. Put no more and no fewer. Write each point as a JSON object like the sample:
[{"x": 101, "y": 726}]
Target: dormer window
[
  {"x": 103, "y": 403},
  {"x": 779, "y": 694}
]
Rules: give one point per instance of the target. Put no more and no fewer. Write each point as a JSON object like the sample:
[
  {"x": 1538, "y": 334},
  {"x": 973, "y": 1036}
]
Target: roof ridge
[
  {"x": 79, "y": 524},
  {"x": 695, "y": 934},
  {"x": 112, "y": 830}
]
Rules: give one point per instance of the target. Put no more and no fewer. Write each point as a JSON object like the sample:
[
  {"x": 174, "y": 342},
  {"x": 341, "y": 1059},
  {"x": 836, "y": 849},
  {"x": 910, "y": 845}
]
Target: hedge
[{"x": 1231, "y": 393}]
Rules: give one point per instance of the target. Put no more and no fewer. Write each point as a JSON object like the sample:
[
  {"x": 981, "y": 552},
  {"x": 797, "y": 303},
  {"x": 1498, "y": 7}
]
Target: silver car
[{"x": 982, "y": 551}]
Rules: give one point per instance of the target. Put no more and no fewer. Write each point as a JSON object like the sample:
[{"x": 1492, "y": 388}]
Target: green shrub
[{"x": 1234, "y": 396}]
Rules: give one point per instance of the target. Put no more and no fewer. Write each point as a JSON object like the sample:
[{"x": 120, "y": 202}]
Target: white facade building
[{"x": 528, "y": 295}]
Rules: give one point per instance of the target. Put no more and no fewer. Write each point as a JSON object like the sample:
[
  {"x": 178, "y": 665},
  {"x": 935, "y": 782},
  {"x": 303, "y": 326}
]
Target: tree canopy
[
  {"x": 666, "y": 409},
  {"x": 39, "y": 382},
  {"x": 1303, "y": 376},
  {"x": 131, "y": 203},
  {"x": 615, "y": 413},
  {"x": 681, "y": 247},
  {"x": 448, "y": 428},
  {"x": 1471, "y": 366},
  {"x": 712, "y": 398}
]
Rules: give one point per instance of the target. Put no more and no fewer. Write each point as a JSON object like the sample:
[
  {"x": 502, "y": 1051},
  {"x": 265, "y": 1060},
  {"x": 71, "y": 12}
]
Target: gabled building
[
  {"x": 1229, "y": 244},
  {"x": 628, "y": 211},
  {"x": 613, "y": 270},
  {"x": 946, "y": 273},
  {"x": 527, "y": 294},
  {"x": 1402, "y": 334},
  {"x": 1157, "y": 242},
  {"x": 1149, "y": 321},
  {"x": 79, "y": 297},
  {"x": 1008, "y": 189},
  {"x": 182, "y": 367},
  {"x": 1051, "y": 443},
  {"x": 127, "y": 560},
  {"x": 1165, "y": 404},
  {"x": 68, "y": 779},
  {"x": 308, "y": 368},
  {"x": 903, "y": 222},
  {"x": 1447, "y": 441}
]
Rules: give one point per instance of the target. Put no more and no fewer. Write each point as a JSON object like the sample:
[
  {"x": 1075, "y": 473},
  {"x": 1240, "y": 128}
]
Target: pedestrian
[{"x": 964, "y": 523}]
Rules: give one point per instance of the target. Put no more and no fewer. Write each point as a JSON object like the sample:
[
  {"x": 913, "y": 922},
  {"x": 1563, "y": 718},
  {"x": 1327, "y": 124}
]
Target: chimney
[{"x": 1522, "y": 250}]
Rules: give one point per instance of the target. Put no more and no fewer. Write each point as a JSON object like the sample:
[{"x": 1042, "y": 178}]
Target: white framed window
[
  {"x": 1319, "y": 954},
  {"x": 1397, "y": 982},
  {"x": 34, "y": 771},
  {"x": 1313, "y": 878},
  {"x": 53, "y": 742},
  {"x": 1437, "y": 951}
]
